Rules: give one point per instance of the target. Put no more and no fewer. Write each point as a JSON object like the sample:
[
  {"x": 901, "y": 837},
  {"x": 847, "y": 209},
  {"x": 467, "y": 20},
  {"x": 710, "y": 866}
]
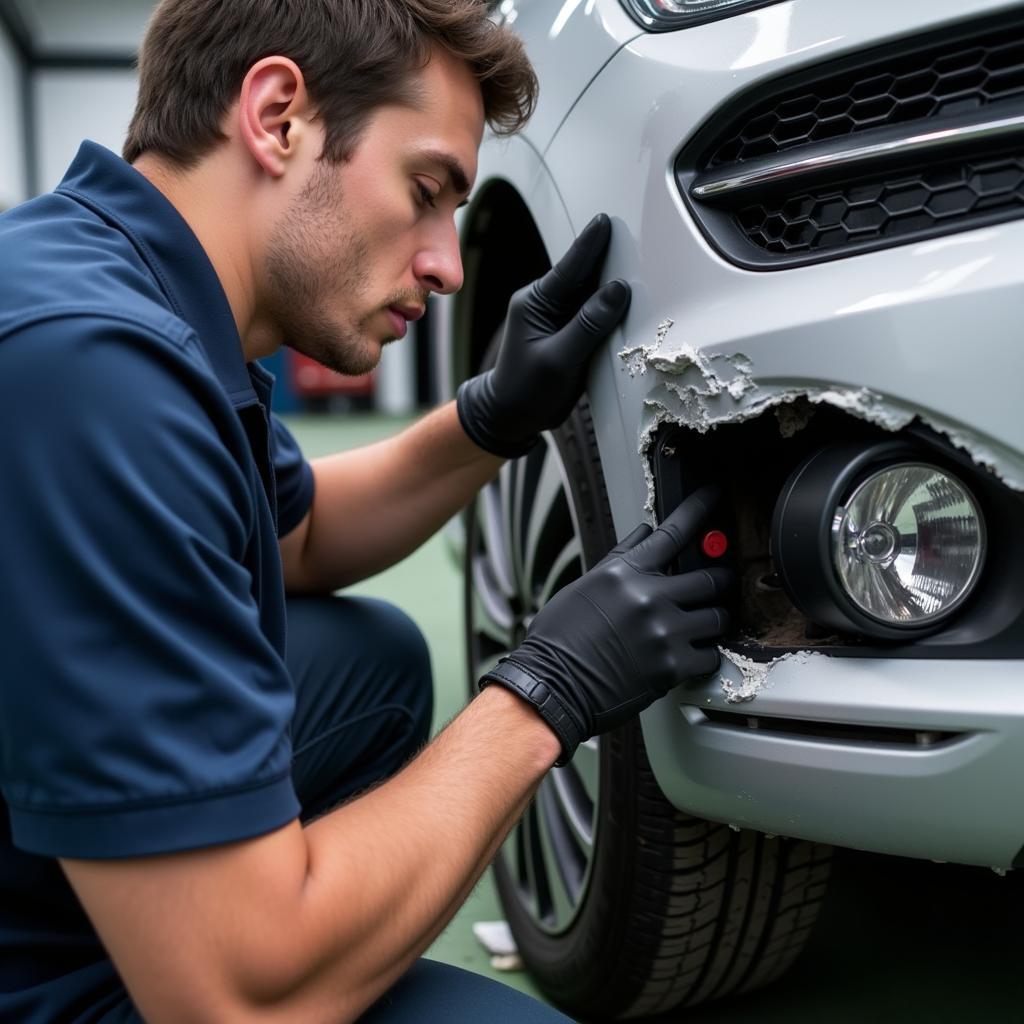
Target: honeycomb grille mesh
[
  {"x": 834, "y": 217},
  {"x": 925, "y": 82},
  {"x": 953, "y": 78}
]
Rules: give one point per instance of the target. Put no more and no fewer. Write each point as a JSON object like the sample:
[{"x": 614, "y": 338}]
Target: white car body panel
[
  {"x": 929, "y": 329},
  {"x": 570, "y": 41}
]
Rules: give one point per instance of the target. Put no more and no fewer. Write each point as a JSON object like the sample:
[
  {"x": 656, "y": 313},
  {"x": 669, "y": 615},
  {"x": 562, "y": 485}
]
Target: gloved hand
[
  {"x": 548, "y": 341},
  {"x": 622, "y": 635}
]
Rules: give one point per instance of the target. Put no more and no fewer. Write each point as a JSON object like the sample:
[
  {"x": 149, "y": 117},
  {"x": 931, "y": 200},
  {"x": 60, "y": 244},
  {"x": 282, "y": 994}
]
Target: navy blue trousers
[{"x": 364, "y": 700}]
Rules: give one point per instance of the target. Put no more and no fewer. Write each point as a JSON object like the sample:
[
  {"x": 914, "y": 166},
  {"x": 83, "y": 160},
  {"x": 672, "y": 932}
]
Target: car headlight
[
  {"x": 878, "y": 540},
  {"x": 908, "y": 544},
  {"x": 668, "y": 15}
]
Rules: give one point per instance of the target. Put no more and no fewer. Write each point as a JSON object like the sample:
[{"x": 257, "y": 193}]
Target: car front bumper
[{"x": 900, "y": 788}]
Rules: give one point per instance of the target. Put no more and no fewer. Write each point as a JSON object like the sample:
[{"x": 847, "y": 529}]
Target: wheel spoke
[
  {"x": 495, "y": 535},
  {"x": 492, "y": 614},
  {"x": 575, "y": 803},
  {"x": 511, "y": 483},
  {"x": 563, "y": 858},
  {"x": 516, "y": 849},
  {"x": 531, "y": 869},
  {"x": 547, "y": 496},
  {"x": 586, "y": 763},
  {"x": 571, "y": 555}
]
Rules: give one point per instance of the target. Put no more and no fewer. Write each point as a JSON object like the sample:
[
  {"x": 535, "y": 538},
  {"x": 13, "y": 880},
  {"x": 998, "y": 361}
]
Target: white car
[{"x": 819, "y": 207}]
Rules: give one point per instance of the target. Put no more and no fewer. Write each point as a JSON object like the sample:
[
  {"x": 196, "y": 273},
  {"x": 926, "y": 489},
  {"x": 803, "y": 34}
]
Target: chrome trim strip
[{"x": 893, "y": 142}]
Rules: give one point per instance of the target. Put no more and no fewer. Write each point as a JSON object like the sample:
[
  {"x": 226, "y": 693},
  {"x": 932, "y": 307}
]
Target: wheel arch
[{"x": 502, "y": 250}]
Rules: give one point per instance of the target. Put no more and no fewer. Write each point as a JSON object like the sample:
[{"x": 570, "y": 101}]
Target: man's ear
[{"x": 273, "y": 112}]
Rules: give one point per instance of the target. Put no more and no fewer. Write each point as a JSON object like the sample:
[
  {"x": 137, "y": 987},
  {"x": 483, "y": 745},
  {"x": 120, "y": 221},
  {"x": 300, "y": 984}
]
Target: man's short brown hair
[{"x": 355, "y": 55}]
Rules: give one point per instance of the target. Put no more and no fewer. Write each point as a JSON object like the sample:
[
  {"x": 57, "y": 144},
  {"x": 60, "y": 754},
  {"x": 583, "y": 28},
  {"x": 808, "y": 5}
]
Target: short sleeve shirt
[{"x": 144, "y": 700}]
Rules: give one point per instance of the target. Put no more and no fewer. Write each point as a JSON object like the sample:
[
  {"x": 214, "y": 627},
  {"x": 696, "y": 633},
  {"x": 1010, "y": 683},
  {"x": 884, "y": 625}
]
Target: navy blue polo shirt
[{"x": 144, "y": 699}]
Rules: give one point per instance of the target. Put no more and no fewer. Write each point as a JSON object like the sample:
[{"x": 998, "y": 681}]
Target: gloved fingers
[
  {"x": 708, "y": 623},
  {"x": 600, "y": 315},
  {"x": 702, "y": 661},
  {"x": 634, "y": 538},
  {"x": 640, "y": 533},
  {"x": 678, "y": 530},
  {"x": 559, "y": 289},
  {"x": 698, "y": 589}
]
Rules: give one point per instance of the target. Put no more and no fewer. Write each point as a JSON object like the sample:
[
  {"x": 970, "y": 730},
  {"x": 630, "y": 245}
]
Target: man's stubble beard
[{"x": 316, "y": 254}]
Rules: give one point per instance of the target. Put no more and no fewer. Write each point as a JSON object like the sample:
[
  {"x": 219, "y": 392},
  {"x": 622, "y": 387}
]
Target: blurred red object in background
[{"x": 311, "y": 380}]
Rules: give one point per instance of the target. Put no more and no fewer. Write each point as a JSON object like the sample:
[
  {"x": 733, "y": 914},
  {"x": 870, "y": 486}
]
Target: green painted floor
[{"x": 898, "y": 941}]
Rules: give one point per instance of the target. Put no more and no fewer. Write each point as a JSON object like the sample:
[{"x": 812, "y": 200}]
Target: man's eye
[{"x": 426, "y": 195}]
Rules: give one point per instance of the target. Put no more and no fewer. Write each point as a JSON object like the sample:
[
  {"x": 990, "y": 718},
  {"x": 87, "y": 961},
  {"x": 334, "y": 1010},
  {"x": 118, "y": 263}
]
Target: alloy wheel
[{"x": 523, "y": 546}]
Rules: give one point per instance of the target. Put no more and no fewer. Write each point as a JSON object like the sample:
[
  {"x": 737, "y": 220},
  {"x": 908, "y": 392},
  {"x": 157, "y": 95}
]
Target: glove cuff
[
  {"x": 470, "y": 402},
  {"x": 524, "y": 684}
]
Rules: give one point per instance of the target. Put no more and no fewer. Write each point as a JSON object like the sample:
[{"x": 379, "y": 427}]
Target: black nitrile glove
[
  {"x": 623, "y": 634},
  {"x": 542, "y": 364}
]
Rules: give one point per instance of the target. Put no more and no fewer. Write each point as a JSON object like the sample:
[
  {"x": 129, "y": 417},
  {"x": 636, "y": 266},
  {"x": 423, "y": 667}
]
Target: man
[{"x": 172, "y": 776}]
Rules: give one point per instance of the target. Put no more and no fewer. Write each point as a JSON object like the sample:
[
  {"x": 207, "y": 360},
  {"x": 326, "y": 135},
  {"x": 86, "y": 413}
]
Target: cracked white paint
[
  {"x": 982, "y": 454},
  {"x": 636, "y": 357},
  {"x": 702, "y": 391},
  {"x": 753, "y": 675}
]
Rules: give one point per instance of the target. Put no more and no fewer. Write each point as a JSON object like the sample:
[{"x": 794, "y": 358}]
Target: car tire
[{"x": 662, "y": 910}]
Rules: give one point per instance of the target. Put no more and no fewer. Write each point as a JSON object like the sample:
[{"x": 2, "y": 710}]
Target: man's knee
[
  {"x": 364, "y": 695},
  {"x": 404, "y": 658},
  {"x": 349, "y": 655}
]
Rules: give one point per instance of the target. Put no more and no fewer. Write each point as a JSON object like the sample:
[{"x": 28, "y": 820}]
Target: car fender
[{"x": 576, "y": 37}]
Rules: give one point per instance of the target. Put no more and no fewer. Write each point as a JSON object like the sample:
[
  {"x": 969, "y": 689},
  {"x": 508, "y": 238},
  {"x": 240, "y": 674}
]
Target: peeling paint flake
[
  {"x": 753, "y": 674},
  {"x": 638, "y": 357},
  {"x": 983, "y": 455}
]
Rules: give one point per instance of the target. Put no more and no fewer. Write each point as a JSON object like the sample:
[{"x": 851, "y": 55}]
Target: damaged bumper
[{"x": 920, "y": 754}]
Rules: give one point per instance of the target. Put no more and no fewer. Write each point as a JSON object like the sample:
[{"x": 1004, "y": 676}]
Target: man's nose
[{"x": 439, "y": 265}]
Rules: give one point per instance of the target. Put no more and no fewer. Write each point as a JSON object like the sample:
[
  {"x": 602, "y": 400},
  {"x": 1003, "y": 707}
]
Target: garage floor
[{"x": 898, "y": 941}]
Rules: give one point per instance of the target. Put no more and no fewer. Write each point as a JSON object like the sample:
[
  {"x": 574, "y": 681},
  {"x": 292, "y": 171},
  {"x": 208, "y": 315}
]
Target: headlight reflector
[
  {"x": 908, "y": 544},
  {"x": 666, "y": 15}
]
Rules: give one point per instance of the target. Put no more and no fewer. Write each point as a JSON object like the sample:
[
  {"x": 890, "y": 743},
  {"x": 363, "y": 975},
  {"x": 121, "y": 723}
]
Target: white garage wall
[
  {"x": 87, "y": 26},
  {"x": 71, "y": 103},
  {"x": 74, "y": 105},
  {"x": 13, "y": 187}
]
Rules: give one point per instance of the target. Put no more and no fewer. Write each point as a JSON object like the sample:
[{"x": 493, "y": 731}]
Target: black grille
[
  {"x": 946, "y": 79},
  {"x": 964, "y": 75},
  {"x": 891, "y": 208}
]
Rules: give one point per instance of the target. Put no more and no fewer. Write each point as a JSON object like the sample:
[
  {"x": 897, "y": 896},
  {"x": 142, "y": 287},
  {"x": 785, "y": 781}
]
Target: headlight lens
[
  {"x": 666, "y": 15},
  {"x": 908, "y": 544}
]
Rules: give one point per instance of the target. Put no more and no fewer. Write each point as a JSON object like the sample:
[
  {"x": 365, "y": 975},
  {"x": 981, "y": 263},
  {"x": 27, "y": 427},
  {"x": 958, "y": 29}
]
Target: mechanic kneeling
[{"x": 197, "y": 832}]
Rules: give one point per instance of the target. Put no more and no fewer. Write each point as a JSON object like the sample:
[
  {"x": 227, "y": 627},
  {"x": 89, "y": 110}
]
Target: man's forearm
[
  {"x": 425, "y": 862},
  {"x": 387, "y": 871},
  {"x": 375, "y": 505},
  {"x": 316, "y": 923}
]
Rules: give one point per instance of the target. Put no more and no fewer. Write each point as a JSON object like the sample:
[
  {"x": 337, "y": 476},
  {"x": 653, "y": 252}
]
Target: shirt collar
[{"x": 124, "y": 198}]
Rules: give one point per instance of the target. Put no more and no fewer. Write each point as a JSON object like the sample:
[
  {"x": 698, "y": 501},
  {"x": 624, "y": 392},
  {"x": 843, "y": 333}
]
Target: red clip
[{"x": 715, "y": 544}]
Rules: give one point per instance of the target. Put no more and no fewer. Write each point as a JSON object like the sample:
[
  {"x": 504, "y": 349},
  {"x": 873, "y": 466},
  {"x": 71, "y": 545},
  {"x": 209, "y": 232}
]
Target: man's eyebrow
[{"x": 456, "y": 172}]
